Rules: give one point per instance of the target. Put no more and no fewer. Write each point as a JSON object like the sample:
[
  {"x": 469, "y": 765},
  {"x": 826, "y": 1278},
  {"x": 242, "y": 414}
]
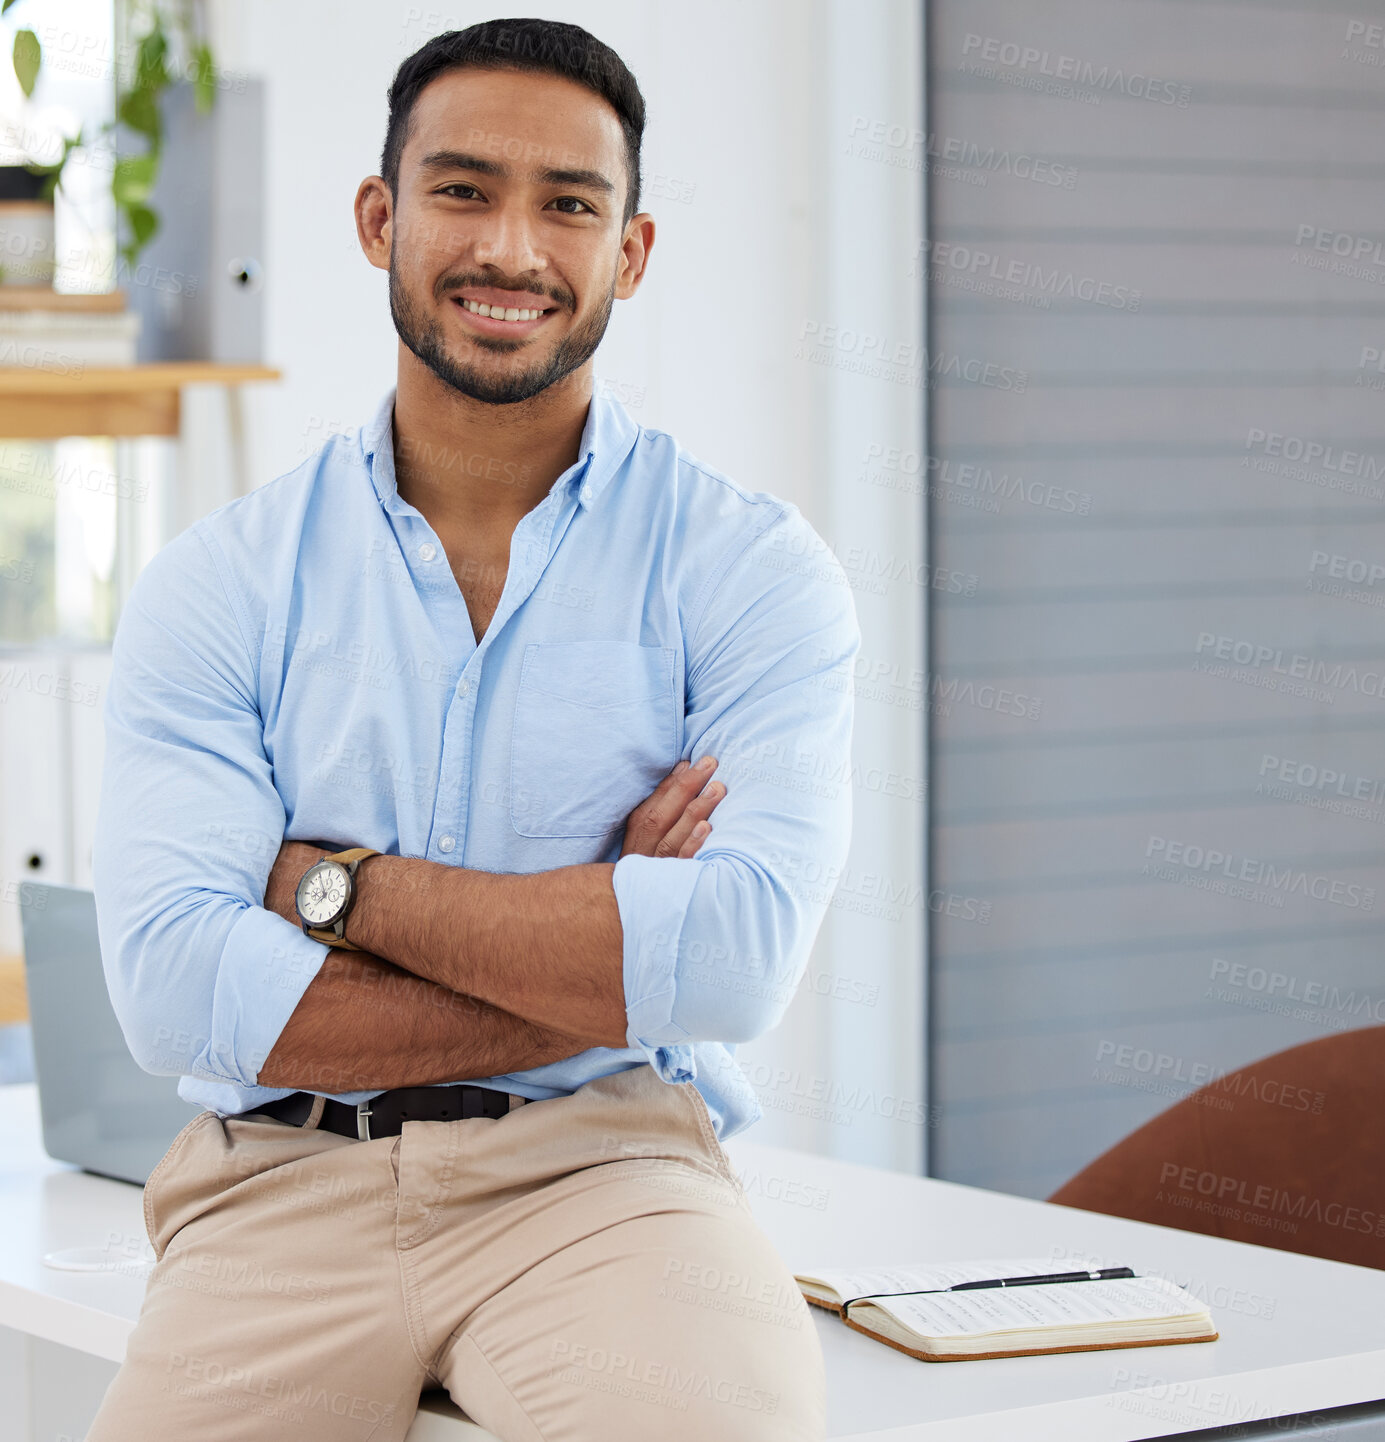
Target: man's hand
[{"x": 672, "y": 820}]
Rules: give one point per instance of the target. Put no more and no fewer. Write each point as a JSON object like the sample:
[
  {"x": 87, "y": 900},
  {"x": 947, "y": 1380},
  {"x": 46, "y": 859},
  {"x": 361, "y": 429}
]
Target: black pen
[{"x": 1105, "y": 1274}]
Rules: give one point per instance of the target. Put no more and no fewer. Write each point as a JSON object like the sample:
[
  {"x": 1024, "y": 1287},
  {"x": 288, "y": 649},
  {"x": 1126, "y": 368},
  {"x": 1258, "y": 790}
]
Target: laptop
[{"x": 100, "y": 1110}]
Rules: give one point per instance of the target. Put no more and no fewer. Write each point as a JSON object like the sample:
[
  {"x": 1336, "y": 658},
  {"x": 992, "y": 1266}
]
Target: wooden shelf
[
  {"x": 137, "y": 400},
  {"x": 14, "y": 1000},
  {"x": 44, "y": 297},
  {"x": 157, "y": 375}
]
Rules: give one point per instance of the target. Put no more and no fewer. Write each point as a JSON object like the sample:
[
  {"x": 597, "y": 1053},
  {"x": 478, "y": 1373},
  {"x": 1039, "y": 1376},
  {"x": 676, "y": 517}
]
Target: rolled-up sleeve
[
  {"x": 715, "y": 945},
  {"x": 201, "y": 976}
]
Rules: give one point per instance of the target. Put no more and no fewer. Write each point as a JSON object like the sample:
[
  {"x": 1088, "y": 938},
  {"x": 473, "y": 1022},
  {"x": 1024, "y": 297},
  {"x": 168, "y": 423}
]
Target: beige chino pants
[{"x": 584, "y": 1269}]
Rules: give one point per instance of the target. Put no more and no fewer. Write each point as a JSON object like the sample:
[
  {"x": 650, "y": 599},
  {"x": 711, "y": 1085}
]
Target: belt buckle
[{"x": 363, "y": 1114}]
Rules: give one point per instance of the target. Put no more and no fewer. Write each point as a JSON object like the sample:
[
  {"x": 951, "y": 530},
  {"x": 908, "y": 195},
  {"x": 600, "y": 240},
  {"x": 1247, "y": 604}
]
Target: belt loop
[{"x": 310, "y": 1122}]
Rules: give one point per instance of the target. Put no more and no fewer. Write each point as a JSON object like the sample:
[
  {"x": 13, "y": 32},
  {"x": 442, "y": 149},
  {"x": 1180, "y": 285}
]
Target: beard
[{"x": 424, "y": 336}]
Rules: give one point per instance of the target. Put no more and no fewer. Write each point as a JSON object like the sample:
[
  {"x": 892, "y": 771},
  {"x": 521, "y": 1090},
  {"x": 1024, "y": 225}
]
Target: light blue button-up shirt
[{"x": 300, "y": 664}]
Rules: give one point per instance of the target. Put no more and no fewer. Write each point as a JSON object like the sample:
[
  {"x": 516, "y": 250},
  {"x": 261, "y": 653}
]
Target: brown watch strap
[
  {"x": 357, "y": 853},
  {"x": 326, "y": 935}
]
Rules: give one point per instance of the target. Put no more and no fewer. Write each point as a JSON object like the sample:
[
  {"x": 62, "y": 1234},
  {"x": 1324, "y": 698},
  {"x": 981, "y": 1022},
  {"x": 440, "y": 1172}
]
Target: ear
[
  {"x": 375, "y": 220},
  {"x": 634, "y": 255}
]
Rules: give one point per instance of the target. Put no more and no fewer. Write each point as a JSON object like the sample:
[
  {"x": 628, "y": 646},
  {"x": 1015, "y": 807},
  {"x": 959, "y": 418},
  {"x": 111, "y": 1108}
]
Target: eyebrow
[{"x": 440, "y": 160}]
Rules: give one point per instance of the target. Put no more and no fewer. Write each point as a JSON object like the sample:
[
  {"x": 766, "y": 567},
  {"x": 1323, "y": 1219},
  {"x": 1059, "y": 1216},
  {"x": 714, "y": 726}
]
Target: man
[{"x": 464, "y": 1084}]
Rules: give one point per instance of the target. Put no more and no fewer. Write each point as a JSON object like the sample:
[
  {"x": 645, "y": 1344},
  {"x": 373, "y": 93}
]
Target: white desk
[{"x": 1323, "y": 1345}]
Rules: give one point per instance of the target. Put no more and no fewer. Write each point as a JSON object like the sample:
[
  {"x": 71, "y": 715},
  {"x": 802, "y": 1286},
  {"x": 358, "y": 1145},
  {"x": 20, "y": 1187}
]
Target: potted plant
[
  {"x": 26, "y": 227},
  {"x": 164, "y": 42}
]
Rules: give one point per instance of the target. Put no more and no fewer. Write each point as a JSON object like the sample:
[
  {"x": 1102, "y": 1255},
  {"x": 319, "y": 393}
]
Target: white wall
[{"x": 753, "y": 105}]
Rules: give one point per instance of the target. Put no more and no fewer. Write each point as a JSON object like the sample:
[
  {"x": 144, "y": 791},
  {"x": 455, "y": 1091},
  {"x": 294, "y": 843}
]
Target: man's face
[{"x": 511, "y": 194}]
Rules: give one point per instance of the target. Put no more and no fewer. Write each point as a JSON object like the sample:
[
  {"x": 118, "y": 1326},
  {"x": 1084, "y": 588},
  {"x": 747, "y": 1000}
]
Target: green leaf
[
  {"x": 204, "y": 83},
  {"x": 27, "y": 55},
  {"x": 149, "y": 65},
  {"x": 143, "y": 223},
  {"x": 133, "y": 179},
  {"x": 140, "y": 111},
  {"x": 5, "y": 8}
]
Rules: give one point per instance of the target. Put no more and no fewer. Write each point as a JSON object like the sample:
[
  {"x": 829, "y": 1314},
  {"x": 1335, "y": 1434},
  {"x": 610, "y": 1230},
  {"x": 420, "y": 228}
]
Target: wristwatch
[{"x": 326, "y": 893}]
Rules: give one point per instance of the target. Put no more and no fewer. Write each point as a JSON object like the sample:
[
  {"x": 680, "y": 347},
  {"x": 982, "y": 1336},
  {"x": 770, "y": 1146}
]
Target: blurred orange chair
[{"x": 1288, "y": 1152}]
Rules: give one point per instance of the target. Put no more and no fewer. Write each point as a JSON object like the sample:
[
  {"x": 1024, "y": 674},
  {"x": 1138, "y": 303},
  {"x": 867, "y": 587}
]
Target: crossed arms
[{"x": 455, "y": 976}]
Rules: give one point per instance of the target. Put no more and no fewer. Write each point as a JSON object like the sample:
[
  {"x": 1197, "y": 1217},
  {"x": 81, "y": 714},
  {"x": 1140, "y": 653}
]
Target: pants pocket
[
  {"x": 152, "y": 1187},
  {"x": 707, "y": 1133}
]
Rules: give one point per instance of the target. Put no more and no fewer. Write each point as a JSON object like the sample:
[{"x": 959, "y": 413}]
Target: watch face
[{"x": 322, "y": 893}]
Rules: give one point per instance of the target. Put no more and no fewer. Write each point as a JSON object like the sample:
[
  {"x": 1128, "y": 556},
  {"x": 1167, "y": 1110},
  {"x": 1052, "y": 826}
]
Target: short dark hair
[{"x": 545, "y": 46}]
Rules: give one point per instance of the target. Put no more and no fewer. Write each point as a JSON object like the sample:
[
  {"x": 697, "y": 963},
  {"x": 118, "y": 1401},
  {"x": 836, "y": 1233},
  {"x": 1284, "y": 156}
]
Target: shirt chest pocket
[{"x": 595, "y": 730}]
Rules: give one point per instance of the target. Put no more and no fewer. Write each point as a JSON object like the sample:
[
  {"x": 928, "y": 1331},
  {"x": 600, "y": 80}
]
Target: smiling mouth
[{"x": 512, "y": 314}]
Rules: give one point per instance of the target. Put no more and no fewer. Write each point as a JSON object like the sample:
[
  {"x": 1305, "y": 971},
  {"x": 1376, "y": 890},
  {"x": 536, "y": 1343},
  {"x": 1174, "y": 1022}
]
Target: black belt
[{"x": 385, "y": 1115}]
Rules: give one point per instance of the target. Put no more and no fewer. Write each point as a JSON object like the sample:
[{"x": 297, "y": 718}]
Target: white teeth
[{"x": 497, "y": 312}]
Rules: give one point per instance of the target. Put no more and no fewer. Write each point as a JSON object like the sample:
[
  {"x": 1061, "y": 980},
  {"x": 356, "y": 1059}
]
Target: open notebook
[{"x": 935, "y": 1323}]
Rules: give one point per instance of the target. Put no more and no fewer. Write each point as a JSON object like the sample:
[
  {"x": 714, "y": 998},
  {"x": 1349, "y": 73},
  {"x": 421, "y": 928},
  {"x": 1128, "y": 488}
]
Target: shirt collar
[{"x": 607, "y": 439}]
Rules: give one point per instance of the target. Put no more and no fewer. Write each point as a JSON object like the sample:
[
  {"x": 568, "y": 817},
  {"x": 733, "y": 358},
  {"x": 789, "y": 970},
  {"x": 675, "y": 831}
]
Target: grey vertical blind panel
[{"x": 1165, "y": 504}]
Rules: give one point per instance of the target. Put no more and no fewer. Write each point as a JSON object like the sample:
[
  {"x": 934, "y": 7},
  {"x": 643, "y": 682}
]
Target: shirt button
[
  {"x": 586, "y": 493},
  {"x": 427, "y": 551},
  {"x": 446, "y": 843},
  {"x": 464, "y": 687}
]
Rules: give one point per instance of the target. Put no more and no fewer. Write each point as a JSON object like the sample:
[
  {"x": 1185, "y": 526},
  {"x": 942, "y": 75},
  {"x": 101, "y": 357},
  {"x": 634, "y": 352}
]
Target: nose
[{"x": 506, "y": 242}]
